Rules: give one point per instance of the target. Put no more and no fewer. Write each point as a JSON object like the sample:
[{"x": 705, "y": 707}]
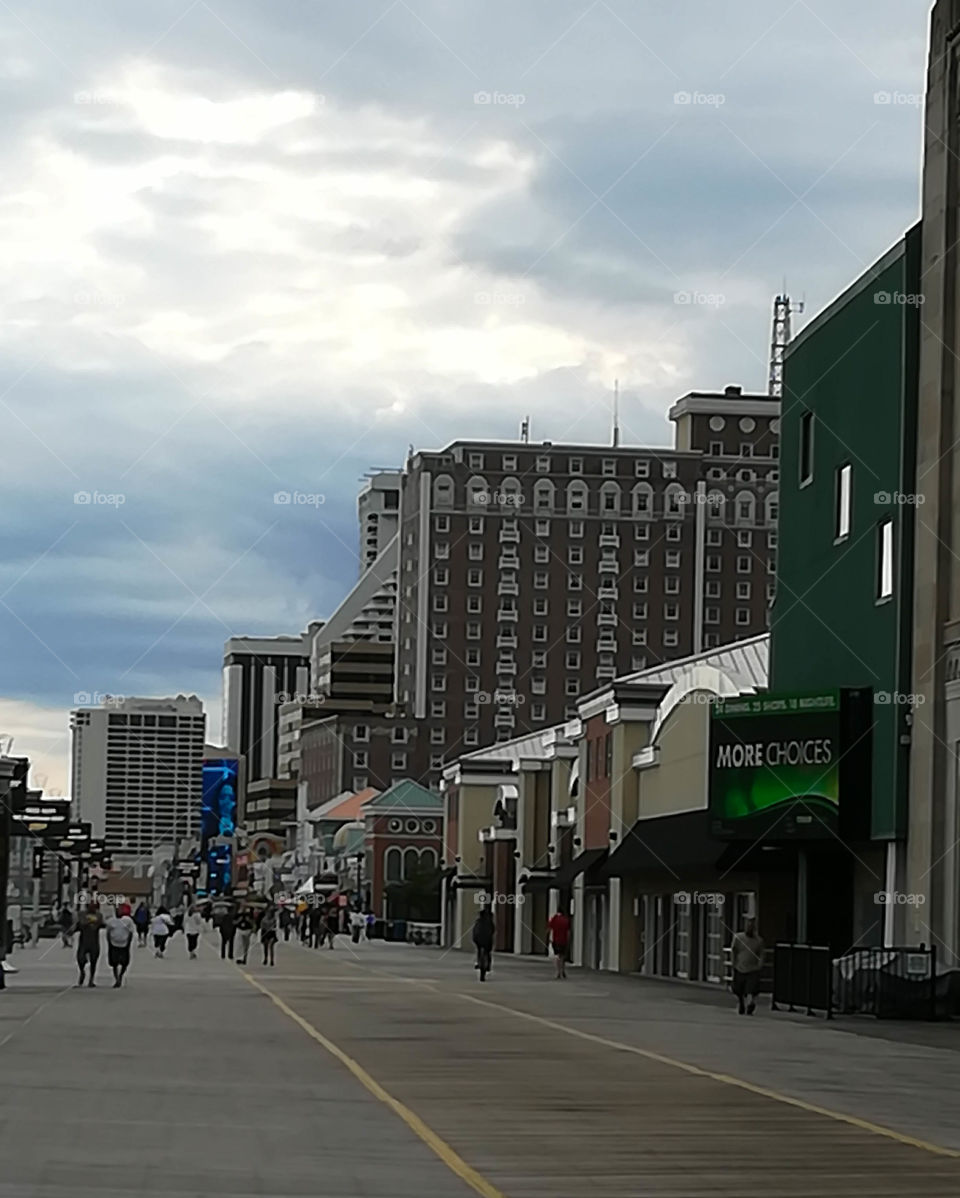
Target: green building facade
[{"x": 842, "y": 615}]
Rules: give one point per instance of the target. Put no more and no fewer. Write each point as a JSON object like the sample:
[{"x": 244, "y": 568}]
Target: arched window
[
  {"x": 478, "y": 493},
  {"x": 772, "y": 506},
  {"x": 577, "y": 497},
  {"x": 428, "y": 858},
  {"x": 411, "y": 859},
  {"x": 393, "y": 865},
  {"x": 610, "y": 497},
  {"x": 674, "y": 500},
  {"x": 544, "y": 494},
  {"x": 745, "y": 509},
  {"x": 511, "y": 492},
  {"x": 443, "y": 491},
  {"x": 643, "y": 501}
]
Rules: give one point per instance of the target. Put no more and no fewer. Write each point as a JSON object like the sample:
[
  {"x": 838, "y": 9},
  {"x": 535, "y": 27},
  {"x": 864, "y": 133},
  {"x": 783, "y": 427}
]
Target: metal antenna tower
[{"x": 783, "y": 309}]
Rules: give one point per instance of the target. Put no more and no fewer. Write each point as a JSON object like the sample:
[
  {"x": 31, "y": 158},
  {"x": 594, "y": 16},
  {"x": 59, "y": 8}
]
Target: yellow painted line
[
  {"x": 726, "y": 1079},
  {"x": 454, "y": 1162}
]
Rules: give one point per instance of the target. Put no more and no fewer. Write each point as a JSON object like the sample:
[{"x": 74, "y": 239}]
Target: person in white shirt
[
  {"x": 120, "y": 933},
  {"x": 357, "y": 922},
  {"x": 192, "y": 927},
  {"x": 161, "y": 928}
]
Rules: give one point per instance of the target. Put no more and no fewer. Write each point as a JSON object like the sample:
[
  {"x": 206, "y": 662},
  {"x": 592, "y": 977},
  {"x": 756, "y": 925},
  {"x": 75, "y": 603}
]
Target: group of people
[
  {"x": 242, "y": 923},
  {"x": 484, "y": 935},
  {"x": 319, "y": 924}
]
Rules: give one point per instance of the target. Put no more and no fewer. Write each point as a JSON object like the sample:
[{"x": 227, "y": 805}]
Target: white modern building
[
  {"x": 378, "y": 510},
  {"x": 137, "y": 771}
]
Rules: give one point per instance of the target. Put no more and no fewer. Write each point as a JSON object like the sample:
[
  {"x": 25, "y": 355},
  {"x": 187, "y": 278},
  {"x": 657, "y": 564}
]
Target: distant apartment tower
[
  {"x": 137, "y": 771},
  {"x": 259, "y": 674},
  {"x": 529, "y": 573},
  {"x": 378, "y": 509}
]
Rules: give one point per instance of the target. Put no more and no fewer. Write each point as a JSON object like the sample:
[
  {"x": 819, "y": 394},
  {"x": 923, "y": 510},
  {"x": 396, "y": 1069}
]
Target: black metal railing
[
  {"x": 892, "y": 983},
  {"x": 802, "y": 978}
]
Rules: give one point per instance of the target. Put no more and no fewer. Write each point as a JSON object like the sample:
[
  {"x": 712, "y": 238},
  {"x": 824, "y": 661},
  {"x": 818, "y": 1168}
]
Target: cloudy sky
[{"x": 254, "y": 247}]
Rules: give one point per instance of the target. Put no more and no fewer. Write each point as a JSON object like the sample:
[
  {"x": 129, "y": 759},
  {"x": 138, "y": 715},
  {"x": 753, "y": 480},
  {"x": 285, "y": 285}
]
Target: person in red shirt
[{"x": 559, "y": 926}]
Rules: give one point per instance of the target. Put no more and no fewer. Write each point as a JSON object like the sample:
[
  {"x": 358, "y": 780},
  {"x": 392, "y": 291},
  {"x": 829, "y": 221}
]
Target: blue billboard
[{"x": 219, "y": 811}]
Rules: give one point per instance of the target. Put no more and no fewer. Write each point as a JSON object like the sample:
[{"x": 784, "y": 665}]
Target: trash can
[
  {"x": 399, "y": 929},
  {"x": 388, "y": 929}
]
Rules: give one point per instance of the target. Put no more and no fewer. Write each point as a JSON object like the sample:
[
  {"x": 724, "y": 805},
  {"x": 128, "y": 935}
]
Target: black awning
[
  {"x": 471, "y": 882},
  {"x": 537, "y": 883},
  {"x": 668, "y": 842},
  {"x": 587, "y": 863}
]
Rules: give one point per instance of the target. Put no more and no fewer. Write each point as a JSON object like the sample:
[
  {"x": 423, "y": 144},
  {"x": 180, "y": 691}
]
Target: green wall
[{"x": 855, "y": 368}]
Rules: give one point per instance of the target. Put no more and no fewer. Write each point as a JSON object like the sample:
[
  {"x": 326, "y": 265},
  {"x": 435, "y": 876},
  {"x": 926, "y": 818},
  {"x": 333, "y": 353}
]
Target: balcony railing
[{"x": 507, "y": 615}]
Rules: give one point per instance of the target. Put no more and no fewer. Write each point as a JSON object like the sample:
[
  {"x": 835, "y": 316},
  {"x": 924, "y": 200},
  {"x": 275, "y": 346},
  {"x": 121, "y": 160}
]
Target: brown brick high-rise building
[{"x": 528, "y": 573}]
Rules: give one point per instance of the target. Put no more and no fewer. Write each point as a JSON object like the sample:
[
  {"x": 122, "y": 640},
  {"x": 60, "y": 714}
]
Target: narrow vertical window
[
  {"x": 844, "y": 484},
  {"x": 885, "y": 559},
  {"x": 806, "y": 448}
]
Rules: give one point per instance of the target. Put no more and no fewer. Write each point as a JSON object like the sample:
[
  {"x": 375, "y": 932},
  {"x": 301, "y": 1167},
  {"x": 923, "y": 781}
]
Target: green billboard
[{"x": 775, "y": 766}]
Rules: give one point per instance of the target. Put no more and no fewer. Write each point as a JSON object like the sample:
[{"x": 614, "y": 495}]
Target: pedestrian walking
[
  {"x": 333, "y": 922},
  {"x": 315, "y": 924},
  {"x": 160, "y": 927},
  {"x": 228, "y": 930},
  {"x": 371, "y": 919},
  {"x": 357, "y": 923},
  {"x": 483, "y": 931},
  {"x": 141, "y": 917},
  {"x": 746, "y": 956},
  {"x": 88, "y": 926},
  {"x": 192, "y": 927},
  {"x": 245, "y": 932},
  {"x": 120, "y": 933},
  {"x": 286, "y": 922},
  {"x": 559, "y": 933},
  {"x": 268, "y": 935},
  {"x": 67, "y": 923}
]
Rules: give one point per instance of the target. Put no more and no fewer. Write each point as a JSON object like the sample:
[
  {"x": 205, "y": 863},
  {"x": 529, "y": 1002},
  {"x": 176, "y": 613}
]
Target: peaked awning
[{"x": 667, "y": 842}]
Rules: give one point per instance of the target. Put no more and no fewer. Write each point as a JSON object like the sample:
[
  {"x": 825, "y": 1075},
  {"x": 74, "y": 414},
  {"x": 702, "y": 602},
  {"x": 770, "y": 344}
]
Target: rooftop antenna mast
[
  {"x": 525, "y": 430},
  {"x": 783, "y": 309},
  {"x": 616, "y": 413}
]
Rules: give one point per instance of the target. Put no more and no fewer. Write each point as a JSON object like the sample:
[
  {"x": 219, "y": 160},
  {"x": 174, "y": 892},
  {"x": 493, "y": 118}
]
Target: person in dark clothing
[
  {"x": 67, "y": 924},
  {"x": 89, "y": 926},
  {"x": 333, "y": 922},
  {"x": 286, "y": 922},
  {"x": 268, "y": 935},
  {"x": 228, "y": 930},
  {"x": 141, "y": 917},
  {"x": 245, "y": 928},
  {"x": 315, "y": 923},
  {"x": 483, "y": 929}
]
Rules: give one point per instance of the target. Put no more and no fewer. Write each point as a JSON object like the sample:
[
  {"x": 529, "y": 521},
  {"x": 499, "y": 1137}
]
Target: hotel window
[
  {"x": 671, "y": 611},
  {"x": 436, "y": 736},
  {"x": 743, "y": 564},
  {"x": 671, "y": 586},
  {"x": 806, "y": 449},
  {"x": 714, "y": 536},
  {"x": 439, "y": 657},
  {"x": 572, "y": 659},
  {"x": 743, "y": 616},
  {"x": 475, "y": 524},
  {"x": 638, "y": 661},
  {"x": 669, "y": 469},
  {"x": 609, "y": 467},
  {"x": 575, "y": 555},
  {"x": 746, "y": 449},
  {"x": 475, "y": 577},
  {"x": 475, "y": 461},
  {"x": 541, "y": 554},
  {"x": 440, "y": 603},
  {"x": 884, "y": 559},
  {"x": 474, "y": 604},
  {"x": 473, "y": 630},
  {"x": 541, "y": 528},
  {"x": 641, "y": 557},
  {"x": 713, "y": 562},
  {"x": 508, "y": 462},
  {"x": 541, "y": 607},
  {"x": 716, "y": 449},
  {"x": 538, "y": 686},
  {"x": 361, "y": 733},
  {"x": 674, "y": 533},
  {"x": 575, "y": 465},
  {"x": 360, "y": 760},
  {"x": 672, "y": 559},
  {"x": 473, "y": 657},
  {"x": 441, "y": 523},
  {"x": 359, "y": 783},
  {"x": 438, "y": 709},
  {"x": 538, "y": 711},
  {"x": 541, "y": 580},
  {"x": 640, "y": 584},
  {"x": 574, "y": 607},
  {"x": 471, "y": 736},
  {"x": 711, "y": 615},
  {"x": 744, "y": 540},
  {"x": 641, "y": 532},
  {"x": 744, "y": 590},
  {"x": 711, "y": 640},
  {"x": 771, "y": 591},
  {"x": 641, "y": 468},
  {"x": 572, "y": 687},
  {"x": 543, "y": 464},
  {"x": 573, "y": 634},
  {"x": 639, "y": 636},
  {"x": 539, "y": 632},
  {"x": 471, "y": 684},
  {"x": 844, "y": 485},
  {"x": 745, "y": 508},
  {"x": 608, "y": 755},
  {"x": 640, "y": 611},
  {"x": 715, "y": 474},
  {"x": 398, "y": 761},
  {"x": 470, "y": 711},
  {"x": 671, "y": 638},
  {"x": 539, "y": 659},
  {"x": 475, "y": 551},
  {"x": 574, "y": 582},
  {"x": 771, "y": 565},
  {"x": 442, "y": 550},
  {"x": 436, "y": 761},
  {"x": 438, "y": 682}
]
